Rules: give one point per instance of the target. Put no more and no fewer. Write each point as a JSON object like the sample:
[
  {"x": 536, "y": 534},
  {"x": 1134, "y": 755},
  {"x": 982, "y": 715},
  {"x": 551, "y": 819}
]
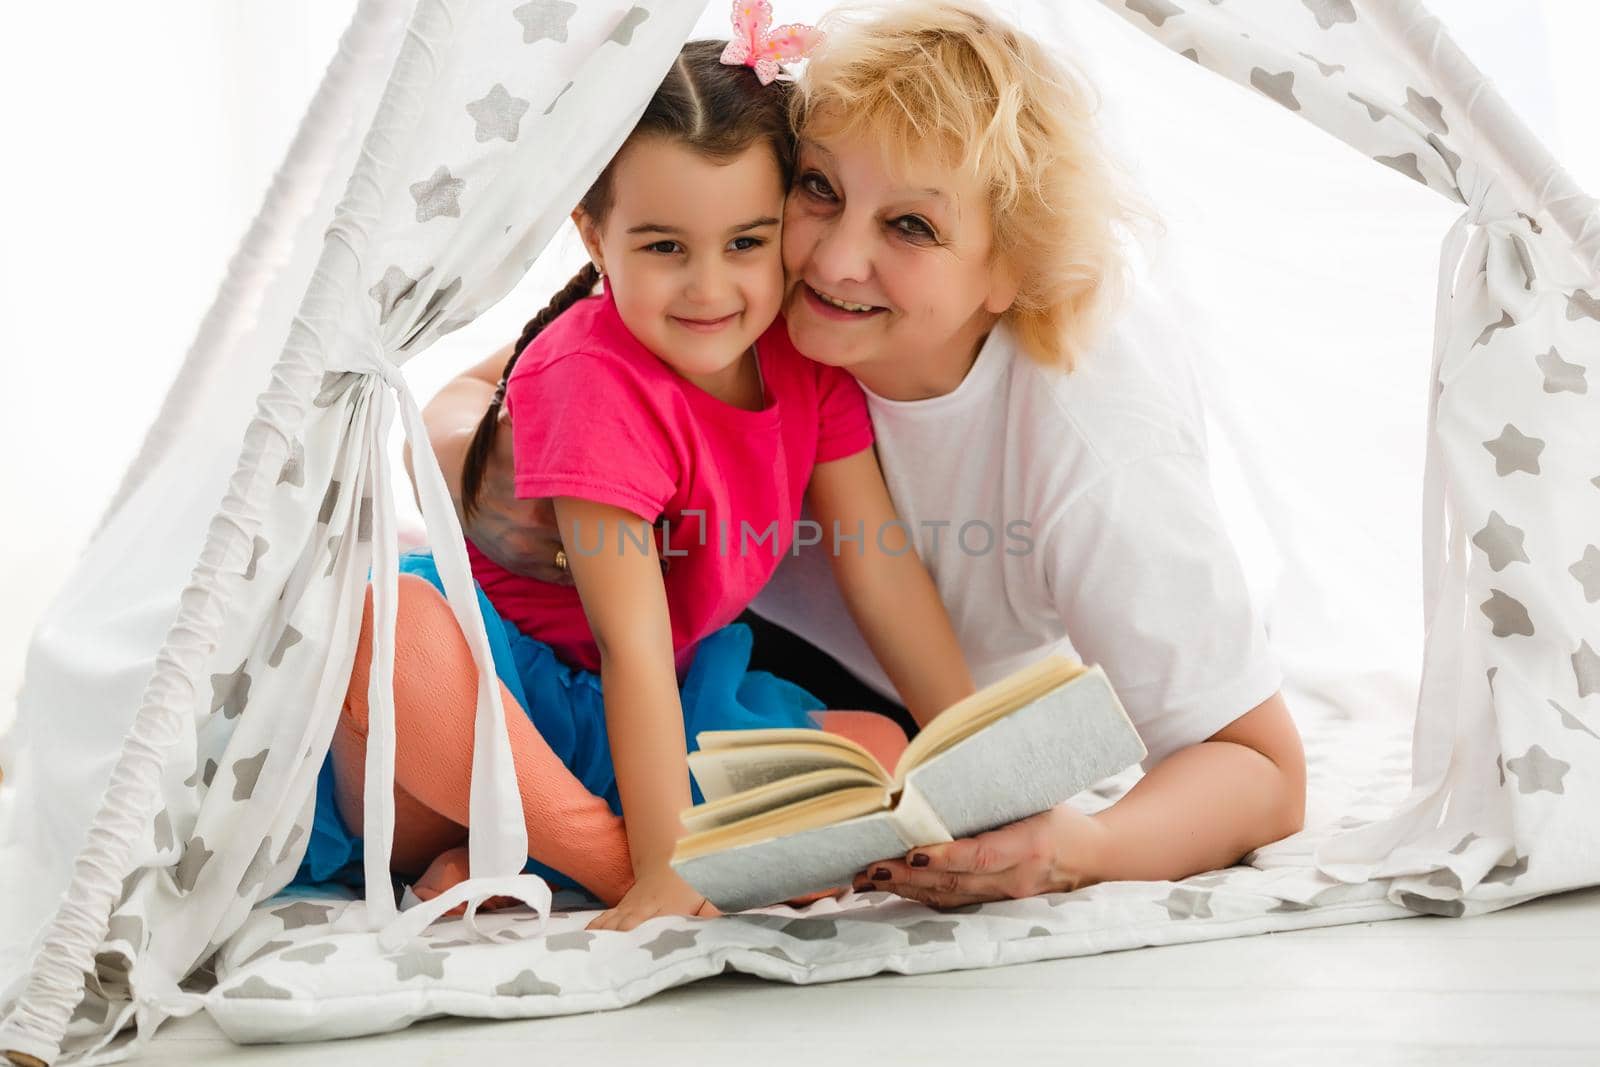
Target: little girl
[{"x": 676, "y": 429}]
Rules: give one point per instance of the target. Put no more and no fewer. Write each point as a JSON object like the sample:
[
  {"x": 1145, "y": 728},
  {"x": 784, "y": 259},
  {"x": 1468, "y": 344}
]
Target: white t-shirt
[{"x": 1080, "y": 520}]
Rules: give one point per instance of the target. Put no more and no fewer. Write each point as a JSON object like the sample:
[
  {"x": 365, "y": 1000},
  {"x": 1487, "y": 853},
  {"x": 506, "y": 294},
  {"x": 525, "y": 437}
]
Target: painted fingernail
[
  {"x": 919, "y": 859},
  {"x": 880, "y": 874}
]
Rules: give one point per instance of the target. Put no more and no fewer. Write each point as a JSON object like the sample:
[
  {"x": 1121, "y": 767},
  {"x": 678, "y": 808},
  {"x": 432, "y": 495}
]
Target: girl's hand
[
  {"x": 659, "y": 892},
  {"x": 1053, "y": 852}
]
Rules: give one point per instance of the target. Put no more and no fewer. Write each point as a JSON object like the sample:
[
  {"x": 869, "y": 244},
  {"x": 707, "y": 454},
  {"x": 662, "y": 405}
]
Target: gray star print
[
  {"x": 1327, "y": 70},
  {"x": 1505, "y": 323},
  {"x": 1426, "y": 108},
  {"x": 395, "y": 285},
  {"x": 303, "y": 913},
  {"x": 930, "y": 930},
  {"x": 1561, "y": 376},
  {"x": 163, "y": 831},
  {"x": 1581, "y": 305},
  {"x": 230, "y": 692},
  {"x": 544, "y": 20},
  {"x": 202, "y": 774},
  {"x": 623, "y": 34},
  {"x": 1157, "y": 11},
  {"x": 1406, "y": 164},
  {"x": 1572, "y": 722},
  {"x": 1279, "y": 87},
  {"x": 260, "y": 867},
  {"x": 311, "y": 953},
  {"x": 1587, "y": 572},
  {"x": 670, "y": 941},
  {"x": 245, "y": 774},
  {"x": 295, "y": 834},
  {"x": 1330, "y": 12},
  {"x": 418, "y": 963},
  {"x": 195, "y": 857},
  {"x": 1187, "y": 904},
  {"x": 1507, "y": 614},
  {"x": 1445, "y": 879},
  {"x": 527, "y": 984},
  {"x": 1501, "y": 542},
  {"x": 265, "y": 950},
  {"x": 1514, "y": 451},
  {"x": 1375, "y": 112},
  {"x": 294, "y": 468},
  {"x": 439, "y": 195},
  {"x": 335, "y": 384},
  {"x": 571, "y": 941},
  {"x": 1507, "y": 873},
  {"x": 1450, "y": 909},
  {"x": 499, "y": 114},
  {"x": 257, "y": 988},
  {"x": 330, "y": 501},
  {"x": 1538, "y": 772},
  {"x": 258, "y": 548},
  {"x": 287, "y": 640},
  {"x": 1586, "y": 667},
  {"x": 333, "y": 554},
  {"x": 811, "y": 929}
]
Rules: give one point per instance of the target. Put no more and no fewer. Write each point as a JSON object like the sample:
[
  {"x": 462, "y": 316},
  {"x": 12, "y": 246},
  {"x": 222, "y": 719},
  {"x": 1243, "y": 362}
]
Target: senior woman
[{"x": 953, "y": 240}]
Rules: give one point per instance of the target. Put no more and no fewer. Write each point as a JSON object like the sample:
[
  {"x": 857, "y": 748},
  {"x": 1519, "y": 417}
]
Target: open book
[{"x": 790, "y": 812}]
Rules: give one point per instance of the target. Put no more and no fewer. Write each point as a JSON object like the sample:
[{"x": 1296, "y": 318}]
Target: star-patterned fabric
[
  {"x": 1511, "y": 515},
  {"x": 497, "y": 116},
  {"x": 310, "y": 961}
]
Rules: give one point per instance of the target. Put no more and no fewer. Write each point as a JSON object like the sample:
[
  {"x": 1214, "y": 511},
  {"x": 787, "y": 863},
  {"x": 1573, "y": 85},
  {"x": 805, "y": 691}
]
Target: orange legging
[{"x": 435, "y": 696}]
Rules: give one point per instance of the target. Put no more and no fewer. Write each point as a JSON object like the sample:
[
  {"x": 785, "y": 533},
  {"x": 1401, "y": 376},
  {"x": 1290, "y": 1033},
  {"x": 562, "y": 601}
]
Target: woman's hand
[
  {"x": 658, "y": 892},
  {"x": 1052, "y": 852}
]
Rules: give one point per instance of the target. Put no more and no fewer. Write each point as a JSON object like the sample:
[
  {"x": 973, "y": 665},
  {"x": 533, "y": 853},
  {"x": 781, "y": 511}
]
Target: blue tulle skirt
[{"x": 719, "y": 692}]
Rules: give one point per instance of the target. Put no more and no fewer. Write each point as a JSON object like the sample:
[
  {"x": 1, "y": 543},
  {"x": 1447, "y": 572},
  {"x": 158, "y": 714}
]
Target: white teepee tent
[{"x": 167, "y": 751}]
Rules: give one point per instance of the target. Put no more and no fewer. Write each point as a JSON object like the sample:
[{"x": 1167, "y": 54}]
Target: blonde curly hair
[{"x": 950, "y": 76}]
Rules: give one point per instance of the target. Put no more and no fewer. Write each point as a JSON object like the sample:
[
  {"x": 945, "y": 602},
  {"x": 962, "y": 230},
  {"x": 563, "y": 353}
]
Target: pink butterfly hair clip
[{"x": 756, "y": 44}]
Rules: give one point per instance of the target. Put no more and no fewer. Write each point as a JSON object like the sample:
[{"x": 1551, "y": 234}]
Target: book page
[
  {"x": 916, "y": 821},
  {"x": 1032, "y": 759},
  {"x": 772, "y": 796},
  {"x": 966, "y": 717},
  {"x": 721, "y": 772}
]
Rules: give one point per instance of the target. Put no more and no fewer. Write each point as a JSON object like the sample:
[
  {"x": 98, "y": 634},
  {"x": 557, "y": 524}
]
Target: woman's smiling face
[{"x": 886, "y": 265}]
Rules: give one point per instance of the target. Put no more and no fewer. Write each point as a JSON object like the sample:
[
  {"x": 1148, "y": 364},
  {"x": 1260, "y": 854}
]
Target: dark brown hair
[{"x": 714, "y": 108}]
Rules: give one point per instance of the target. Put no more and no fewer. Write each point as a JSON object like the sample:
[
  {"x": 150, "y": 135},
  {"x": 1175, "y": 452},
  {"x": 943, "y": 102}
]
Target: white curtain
[
  {"x": 1504, "y": 803},
  {"x": 496, "y": 116}
]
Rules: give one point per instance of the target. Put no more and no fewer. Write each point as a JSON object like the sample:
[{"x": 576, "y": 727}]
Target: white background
[{"x": 140, "y": 138}]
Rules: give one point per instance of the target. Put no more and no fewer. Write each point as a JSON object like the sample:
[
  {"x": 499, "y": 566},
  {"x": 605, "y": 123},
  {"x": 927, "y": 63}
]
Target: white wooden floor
[{"x": 1520, "y": 987}]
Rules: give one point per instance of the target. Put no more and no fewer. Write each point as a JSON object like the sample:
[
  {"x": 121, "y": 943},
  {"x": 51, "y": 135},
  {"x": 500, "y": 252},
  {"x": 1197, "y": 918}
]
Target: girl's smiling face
[
  {"x": 890, "y": 274},
  {"x": 690, "y": 246}
]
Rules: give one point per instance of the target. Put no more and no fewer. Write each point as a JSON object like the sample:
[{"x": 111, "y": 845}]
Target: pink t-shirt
[{"x": 596, "y": 415}]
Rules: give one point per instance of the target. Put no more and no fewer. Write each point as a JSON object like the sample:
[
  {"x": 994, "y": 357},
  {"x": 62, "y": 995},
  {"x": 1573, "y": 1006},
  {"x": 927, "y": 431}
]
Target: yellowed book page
[
  {"x": 773, "y": 795},
  {"x": 721, "y": 772},
  {"x": 726, "y": 739},
  {"x": 966, "y": 717},
  {"x": 811, "y": 814}
]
